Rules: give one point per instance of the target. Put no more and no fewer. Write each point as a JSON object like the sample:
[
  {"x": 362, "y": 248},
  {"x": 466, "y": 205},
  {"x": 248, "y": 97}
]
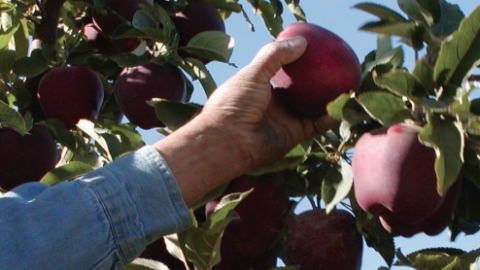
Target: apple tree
[{"x": 78, "y": 78}]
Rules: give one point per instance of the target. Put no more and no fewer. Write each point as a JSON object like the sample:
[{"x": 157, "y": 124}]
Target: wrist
[{"x": 202, "y": 156}]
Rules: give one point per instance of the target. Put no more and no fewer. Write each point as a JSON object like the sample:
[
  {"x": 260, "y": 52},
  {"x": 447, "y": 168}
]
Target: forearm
[
  {"x": 201, "y": 157},
  {"x": 100, "y": 221}
]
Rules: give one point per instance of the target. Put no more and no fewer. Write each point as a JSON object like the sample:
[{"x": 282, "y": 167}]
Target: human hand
[
  {"x": 250, "y": 113},
  {"x": 243, "y": 126}
]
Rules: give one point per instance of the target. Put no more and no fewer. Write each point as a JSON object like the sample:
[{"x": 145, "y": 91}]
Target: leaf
[
  {"x": 61, "y": 134},
  {"x": 433, "y": 7},
  {"x": 142, "y": 19},
  {"x": 384, "y": 107},
  {"x": 29, "y": 66},
  {"x": 289, "y": 161},
  {"x": 173, "y": 114},
  {"x": 197, "y": 70},
  {"x": 434, "y": 258},
  {"x": 401, "y": 83},
  {"x": 296, "y": 10},
  {"x": 341, "y": 188},
  {"x": 402, "y": 29},
  {"x": 11, "y": 119},
  {"x": 70, "y": 171},
  {"x": 131, "y": 60},
  {"x": 459, "y": 54},
  {"x": 415, "y": 11},
  {"x": 202, "y": 245},
  {"x": 335, "y": 108},
  {"x": 424, "y": 73},
  {"x": 130, "y": 138},
  {"x": 145, "y": 264},
  {"x": 21, "y": 39},
  {"x": 450, "y": 19},
  {"x": 89, "y": 128},
  {"x": 210, "y": 196},
  {"x": 7, "y": 59},
  {"x": 214, "y": 45},
  {"x": 446, "y": 137},
  {"x": 230, "y": 5},
  {"x": 175, "y": 248},
  {"x": 381, "y": 12},
  {"x": 272, "y": 22},
  {"x": 9, "y": 24},
  {"x": 465, "y": 261}
]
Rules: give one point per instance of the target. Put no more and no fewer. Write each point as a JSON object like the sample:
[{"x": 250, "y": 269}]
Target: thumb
[{"x": 273, "y": 55}]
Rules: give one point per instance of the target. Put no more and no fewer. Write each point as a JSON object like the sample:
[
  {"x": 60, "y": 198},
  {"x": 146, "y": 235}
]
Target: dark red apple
[
  {"x": 157, "y": 251},
  {"x": 95, "y": 40},
  {"x": 197, "y": 17},
  {"x": 25, "y": 158},
  {"x": 118, "y": 12},
  {"x": 71, "y": 94},
  {"x": 263, "y": 214},
  {"x": 328, "y": 68},
  {"x": 234, "y": 261},
  {"x": 317, "y": 241},
  {"x": 394, "y": 175},
  {"x": 137, "y": 85}
]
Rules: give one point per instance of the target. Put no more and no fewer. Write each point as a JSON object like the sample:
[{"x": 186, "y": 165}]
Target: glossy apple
[
  {"x": 118, "y": 12},
  {"x": 317, "y": 241},
  {"x": 71, "y": 94},
  {"x": 95, "y": 40},
  {"x": 197, "y": 17},
  {"x": 137, "y": 85},
  {"x": 394, "y": 175},
  {"x": 25, "y": 158},
  {"x": 263, "y": 214},
  {"x": 328, "y": 68}
]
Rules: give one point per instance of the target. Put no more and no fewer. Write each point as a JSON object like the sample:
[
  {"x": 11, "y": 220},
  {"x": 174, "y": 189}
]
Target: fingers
[
  {"x": 273, "y": 55},
  {"x": 318, "y": 126}
]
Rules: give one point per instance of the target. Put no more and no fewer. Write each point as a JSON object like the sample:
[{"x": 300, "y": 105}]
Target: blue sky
[{"x": 339, "y": 17}]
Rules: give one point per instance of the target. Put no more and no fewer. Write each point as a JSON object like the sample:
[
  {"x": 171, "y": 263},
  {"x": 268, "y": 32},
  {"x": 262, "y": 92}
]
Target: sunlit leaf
[
  {"x": 386, "y": 108},
  {"x": 11, "y": 119},
  {"x": 380, "y": 11},
  {"x": 69, "y": 171},
  {"x": 214, "y": 45},
  {"x": 173, "y": 114}
]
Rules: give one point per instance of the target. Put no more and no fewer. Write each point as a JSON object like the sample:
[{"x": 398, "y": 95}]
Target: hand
[
  {"x": 251, "y": 113},
  {"x": 242, "y": 126}
]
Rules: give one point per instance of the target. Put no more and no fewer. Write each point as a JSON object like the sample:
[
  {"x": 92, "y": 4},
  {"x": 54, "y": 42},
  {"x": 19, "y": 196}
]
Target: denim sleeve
[{"x": 102, "y": 220}]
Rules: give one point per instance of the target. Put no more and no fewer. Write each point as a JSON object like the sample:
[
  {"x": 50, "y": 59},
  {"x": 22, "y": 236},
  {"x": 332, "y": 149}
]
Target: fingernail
[{"x": 297, "y": 42}]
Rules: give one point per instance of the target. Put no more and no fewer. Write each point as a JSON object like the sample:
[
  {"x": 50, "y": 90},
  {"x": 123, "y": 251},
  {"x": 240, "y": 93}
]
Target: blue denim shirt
[{"x": 102, "y": 220}]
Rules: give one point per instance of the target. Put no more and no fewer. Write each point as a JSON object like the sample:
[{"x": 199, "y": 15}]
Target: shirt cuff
[{"x": 141, "y": 200}]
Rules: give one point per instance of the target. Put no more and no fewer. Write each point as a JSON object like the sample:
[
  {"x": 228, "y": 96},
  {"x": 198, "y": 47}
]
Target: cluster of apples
[{"x": 70, "y": 93}]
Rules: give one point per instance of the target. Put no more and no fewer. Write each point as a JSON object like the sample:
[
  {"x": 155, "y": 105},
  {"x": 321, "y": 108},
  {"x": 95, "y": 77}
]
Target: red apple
[
  {"x": 328, "y": 68},
  {"x": 394, "y": 175},
  {"x": 25, "y": 158},
  {"x": 71, "y": 94},
  {"x": 137, "y": 85},
  {"x": 317, "y": 241},
  {"x": 118, "y": 12},
  {"x": 263, "y": 214},
  {"x": 197, "y": 17},
  {"x": 265, "y": 261}
]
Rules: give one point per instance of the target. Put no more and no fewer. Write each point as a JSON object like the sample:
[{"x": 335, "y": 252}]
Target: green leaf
[
  {"x": 21, "y": 39},
  {"x": 401, "y": 83},
  {"x": 145, "y": 264},
  {"x": 197, "y": 70},
  {"x": 29, "y": 66},
  {"x": 9, "y": 24},
  {"x": 465, "y": 261},
  {"x": 435, "y": 258},
  {"x": 11, "y": 119},
  {"x": 446, "y": 137},
  {"x": 173, "y": 114},
  {"x": 61, "y": 134},
  {"x": 131, "y": 139},
  {"x": 131, "y": 60},
  {"x": 89, "y": 128},
  {"x": 433, "y": 7},
  {"x": 335, "y": 108},
  {"x": 415, "y": 11},
  {"x": 142, "y": 19},
  {"x": 69, "y": 171},
  {"x": 210, "y": 196},
  {"x": 394, "y": 58},
  {"x": 450, "y": 19},
  {"x": 289, "y": 161},
  {"x": 459, "y": 54},
  {"x": 7, "y": 59},
  {"x": 214, "y": 45},
  {"x": 424, "y": 73},
  {"x": 402, "y": 29},
  {"x": 381, "y": 12},
  {"x": 202, "y": 245},
  {"x": 384, "y": 107},
  {"x": 340, "y": 189},
  {"x": 296, "y": 10},
  {"x": 272, "y": 22},
  {"x": 230, "y": 5}
]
